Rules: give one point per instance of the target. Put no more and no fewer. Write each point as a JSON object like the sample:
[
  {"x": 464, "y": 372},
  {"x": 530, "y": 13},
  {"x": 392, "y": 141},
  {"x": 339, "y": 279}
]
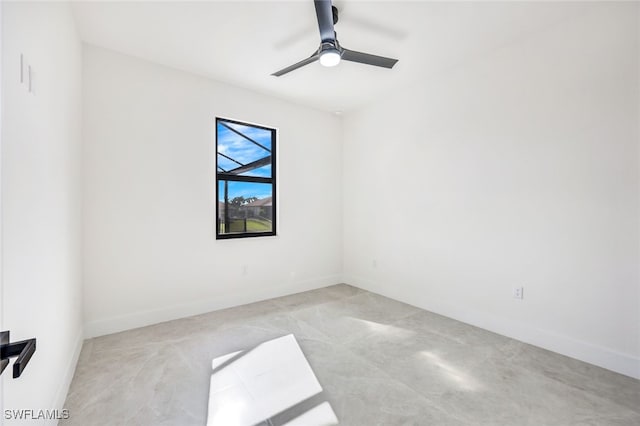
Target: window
[{"x": 245, "y": 180}]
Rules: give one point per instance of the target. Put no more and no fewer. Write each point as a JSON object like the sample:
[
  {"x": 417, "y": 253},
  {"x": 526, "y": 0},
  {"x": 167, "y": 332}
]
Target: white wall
[
  {"x": 41, "y": 207},
  {"x": 518, "y": 169},
  {"x": 149, "y": 197}
]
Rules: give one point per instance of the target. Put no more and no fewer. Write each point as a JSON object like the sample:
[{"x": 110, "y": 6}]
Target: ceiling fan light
[{"x": 330, "y": 58}]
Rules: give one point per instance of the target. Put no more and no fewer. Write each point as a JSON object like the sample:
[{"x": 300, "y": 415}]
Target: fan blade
[
  {"x": 300, "y": 64},
  {"x": 365, "y": 58},
  {"x": 325, "y": 20}
]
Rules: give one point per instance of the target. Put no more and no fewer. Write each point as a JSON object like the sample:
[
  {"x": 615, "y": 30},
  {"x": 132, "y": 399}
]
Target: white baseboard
[
  {"x": 168, "y": 313},
  {"x": 600, "y": 356},
  {"x": 63, "y": 389}
]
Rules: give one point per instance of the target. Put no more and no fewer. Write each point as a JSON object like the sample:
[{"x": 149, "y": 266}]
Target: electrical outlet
[
  {"x": 374, "y": 263},
  {"x": 518, "y": 292},
  {"x": 245, "y": 269}
]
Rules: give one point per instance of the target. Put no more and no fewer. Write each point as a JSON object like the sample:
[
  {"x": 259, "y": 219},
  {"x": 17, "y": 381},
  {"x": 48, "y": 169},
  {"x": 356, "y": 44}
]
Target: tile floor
[
  {"x": 380, "y": 362},
  {"x": 271, "y": 381}
]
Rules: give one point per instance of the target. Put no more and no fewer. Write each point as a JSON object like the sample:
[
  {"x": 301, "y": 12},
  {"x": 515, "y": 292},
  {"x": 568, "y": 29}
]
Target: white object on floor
[{"x": 250, "y": 387}]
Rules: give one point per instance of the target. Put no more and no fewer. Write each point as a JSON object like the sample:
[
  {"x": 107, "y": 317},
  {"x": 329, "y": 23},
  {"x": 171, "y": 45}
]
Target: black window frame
[{"x": 238, "y": 178}]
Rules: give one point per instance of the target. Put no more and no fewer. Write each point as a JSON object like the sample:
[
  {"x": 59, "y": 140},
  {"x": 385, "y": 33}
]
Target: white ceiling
[{"x": 242, "y": 43}]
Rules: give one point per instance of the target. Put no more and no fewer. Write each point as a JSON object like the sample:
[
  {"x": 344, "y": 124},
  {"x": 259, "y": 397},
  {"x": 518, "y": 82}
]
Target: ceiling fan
[{"x": 330, "y": 52}]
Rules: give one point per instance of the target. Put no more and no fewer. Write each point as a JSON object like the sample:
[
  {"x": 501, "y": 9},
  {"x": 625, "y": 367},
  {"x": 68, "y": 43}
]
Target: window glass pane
[
  {"x": 244, "y": 150},
  {"x": 244, "y": 207}
]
